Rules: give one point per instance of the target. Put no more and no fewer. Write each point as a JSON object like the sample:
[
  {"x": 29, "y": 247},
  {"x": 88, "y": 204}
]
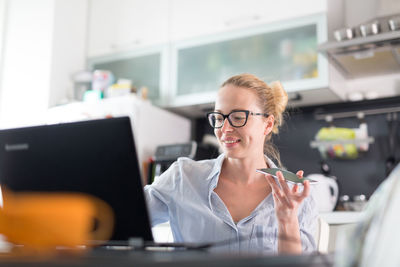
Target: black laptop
[{"x": 97, "y": 157}]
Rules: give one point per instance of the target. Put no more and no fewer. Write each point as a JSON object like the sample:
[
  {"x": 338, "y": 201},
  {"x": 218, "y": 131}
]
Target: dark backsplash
[{"x": 358, "y": 176}]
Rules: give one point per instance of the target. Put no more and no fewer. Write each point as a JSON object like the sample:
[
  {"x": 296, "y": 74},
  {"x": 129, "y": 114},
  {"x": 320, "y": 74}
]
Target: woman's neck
[{"x": 243, "y": 170}]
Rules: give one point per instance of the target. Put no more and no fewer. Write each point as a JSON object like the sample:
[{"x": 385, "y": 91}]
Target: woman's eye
[{"x": 238, "y": 118}]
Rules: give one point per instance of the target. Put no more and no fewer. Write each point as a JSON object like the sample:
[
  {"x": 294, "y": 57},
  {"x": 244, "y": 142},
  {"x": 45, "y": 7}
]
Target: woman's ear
[{"x": 269, "y": 124}]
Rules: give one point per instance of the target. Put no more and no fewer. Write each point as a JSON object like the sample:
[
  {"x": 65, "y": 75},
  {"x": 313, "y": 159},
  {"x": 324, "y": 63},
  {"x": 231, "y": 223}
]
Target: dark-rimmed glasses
[{"x": 236, "y": 118}]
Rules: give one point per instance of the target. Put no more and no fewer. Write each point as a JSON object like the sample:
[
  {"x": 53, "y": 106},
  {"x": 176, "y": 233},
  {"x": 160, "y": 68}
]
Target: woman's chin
[{"x": 233, "y": 153}]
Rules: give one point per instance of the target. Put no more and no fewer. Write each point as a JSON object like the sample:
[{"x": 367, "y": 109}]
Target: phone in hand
[{"x": 289, "y": 176}]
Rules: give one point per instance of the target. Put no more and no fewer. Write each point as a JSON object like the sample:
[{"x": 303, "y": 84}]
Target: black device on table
[
  {"x": 165, "y": 155},
  {"x": 96, "y": 157}
]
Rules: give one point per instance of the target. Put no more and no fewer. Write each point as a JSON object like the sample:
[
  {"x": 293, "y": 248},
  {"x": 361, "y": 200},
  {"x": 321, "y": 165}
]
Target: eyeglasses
[{"x": 236, "y": 118}]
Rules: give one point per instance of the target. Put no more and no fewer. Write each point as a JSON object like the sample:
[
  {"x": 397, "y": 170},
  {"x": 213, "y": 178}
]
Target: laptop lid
[{"x": 96, "y": 157}]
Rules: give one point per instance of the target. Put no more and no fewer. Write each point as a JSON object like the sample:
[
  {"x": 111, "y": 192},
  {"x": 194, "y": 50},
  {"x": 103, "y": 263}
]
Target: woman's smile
[{"x": 230, "y": 142}]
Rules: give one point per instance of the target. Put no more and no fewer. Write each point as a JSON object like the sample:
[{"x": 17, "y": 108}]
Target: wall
[
  {"x": 69, "y": 48},
  {"x": 26, "y": 61},
  {"x": 360, "y": 11},
  {"x": 44, "y": 44},
  {"x": 359, "y": 176},
  {"x": 2, "y": 35}
]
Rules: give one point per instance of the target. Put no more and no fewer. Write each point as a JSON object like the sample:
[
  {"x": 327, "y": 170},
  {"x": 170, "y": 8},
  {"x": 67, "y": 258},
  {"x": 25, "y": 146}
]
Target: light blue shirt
[{"x": 184, "y": 195}]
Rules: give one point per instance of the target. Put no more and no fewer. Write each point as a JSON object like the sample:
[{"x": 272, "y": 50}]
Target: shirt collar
[
  {"x": 217, "y": 167},
  {"x": 216, "y": 170}
]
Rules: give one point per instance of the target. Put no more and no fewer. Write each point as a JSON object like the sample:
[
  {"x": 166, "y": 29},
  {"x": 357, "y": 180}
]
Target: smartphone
[{"x": 289, "y": 176}]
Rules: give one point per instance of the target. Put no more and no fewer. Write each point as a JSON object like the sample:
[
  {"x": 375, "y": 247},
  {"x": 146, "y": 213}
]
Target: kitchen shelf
[
  {"x": 359, "y": 141},
  {"x": 360, "y": 42},
  {"x": 359, "y": 113}
]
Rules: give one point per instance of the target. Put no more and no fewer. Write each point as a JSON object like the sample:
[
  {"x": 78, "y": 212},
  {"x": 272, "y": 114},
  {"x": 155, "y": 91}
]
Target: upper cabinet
[
  {"x": 125, "y": 25},
  {"x": 145, "y": 67},
  {"x": 182, "y": 50},
  {"x": 285, "y": 51},
  {"x": 192, "y": 18}
]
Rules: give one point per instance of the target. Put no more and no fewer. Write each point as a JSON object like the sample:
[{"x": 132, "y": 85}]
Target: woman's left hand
[{"x": 287, "y": 200}]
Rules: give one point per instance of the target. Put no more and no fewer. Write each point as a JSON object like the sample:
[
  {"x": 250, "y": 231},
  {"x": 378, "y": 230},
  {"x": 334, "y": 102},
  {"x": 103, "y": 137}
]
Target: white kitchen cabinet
[
  {"x": 121, "y": 25},
  {"x": 192, "y": 18},
  {"x": 284, "y": 51},
  {"x": 146, "y": 67},
  {"x": 174, "y": 27}
]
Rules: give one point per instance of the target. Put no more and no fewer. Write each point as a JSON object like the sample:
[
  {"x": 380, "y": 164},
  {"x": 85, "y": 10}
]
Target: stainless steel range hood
[{"x": 365, "y": 56}]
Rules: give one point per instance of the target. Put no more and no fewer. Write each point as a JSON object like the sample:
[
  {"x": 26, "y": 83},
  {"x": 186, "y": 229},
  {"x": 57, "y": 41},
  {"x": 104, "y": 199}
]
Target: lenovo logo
[{"x": 16, "y": 147}]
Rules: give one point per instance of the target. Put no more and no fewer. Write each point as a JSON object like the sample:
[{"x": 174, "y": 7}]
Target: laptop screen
[{"x": 96, "y": 157}]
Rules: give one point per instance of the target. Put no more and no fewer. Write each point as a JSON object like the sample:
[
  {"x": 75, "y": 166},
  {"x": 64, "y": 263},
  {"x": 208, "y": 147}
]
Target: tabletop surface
[{"x": 120, "y": 257}]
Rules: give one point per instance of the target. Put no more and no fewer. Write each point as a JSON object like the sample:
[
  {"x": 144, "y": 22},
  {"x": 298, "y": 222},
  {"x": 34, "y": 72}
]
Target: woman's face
[{"x": 246, "y": 141}]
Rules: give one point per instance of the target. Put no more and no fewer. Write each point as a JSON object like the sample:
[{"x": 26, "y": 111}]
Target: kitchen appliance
[
  {"x": 167, "y": 154},
  {"x": 376, "y": 51},
  {"x": 325, "y": 190}
]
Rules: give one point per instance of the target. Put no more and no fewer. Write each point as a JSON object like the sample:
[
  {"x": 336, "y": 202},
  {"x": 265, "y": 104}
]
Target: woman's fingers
[
  {"x": 272, "y": 183},
  {"x": 276, "y": 198},
  {"x": 285, "y": 188},
  {"x": 295, "y": 189},
  {"x": 276, "y": 191},
  {"x": 281, "y": 194},
  {"x": 306, "y": 191},
  {"x": 300, "y": 174},
  {"x": 282, "y": 182}
]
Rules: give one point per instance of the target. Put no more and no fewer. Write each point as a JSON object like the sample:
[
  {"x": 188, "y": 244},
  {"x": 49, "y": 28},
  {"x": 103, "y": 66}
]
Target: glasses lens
[
  {"x": 216, "y": 120},
  {"x": 238, "y": 118}
]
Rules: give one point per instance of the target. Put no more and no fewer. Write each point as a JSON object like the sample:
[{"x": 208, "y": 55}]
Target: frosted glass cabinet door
[
  {"x": 145, "y": 67},
  {"x": 289, "y": 55},
  {"x": 142, "y": 70}
]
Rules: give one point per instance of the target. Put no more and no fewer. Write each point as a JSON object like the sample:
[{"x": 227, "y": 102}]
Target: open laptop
[{"x": 97, "y": 157}]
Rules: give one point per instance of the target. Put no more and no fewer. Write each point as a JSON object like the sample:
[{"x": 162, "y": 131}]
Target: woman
[{"x": 225, "y": 199}]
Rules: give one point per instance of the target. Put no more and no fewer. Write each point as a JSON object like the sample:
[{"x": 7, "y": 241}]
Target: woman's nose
[{"x": 226, "y": 127}]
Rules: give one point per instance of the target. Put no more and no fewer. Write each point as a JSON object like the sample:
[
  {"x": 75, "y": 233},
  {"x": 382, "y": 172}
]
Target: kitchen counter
[
  {"x": 342, "y": 217},
  {"x": 340, "y": 221}
]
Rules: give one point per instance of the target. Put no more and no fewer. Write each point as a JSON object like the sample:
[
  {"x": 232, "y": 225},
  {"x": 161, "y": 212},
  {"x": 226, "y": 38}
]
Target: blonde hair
[{"x": 272, "y": 99}]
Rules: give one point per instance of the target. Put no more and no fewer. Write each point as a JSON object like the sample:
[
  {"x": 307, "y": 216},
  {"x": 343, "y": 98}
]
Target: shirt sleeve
[
  {"x": 159, "y": 195},
  {"x": 308, "y": 220}
]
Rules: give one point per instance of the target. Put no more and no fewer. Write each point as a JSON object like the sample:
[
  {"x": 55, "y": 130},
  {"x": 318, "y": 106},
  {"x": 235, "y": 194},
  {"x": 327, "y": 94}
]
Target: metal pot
[
  {"x": 371, "y": 28},
  {"x": 394, "y": 23},
  {"x": 344, "y": 34}
]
